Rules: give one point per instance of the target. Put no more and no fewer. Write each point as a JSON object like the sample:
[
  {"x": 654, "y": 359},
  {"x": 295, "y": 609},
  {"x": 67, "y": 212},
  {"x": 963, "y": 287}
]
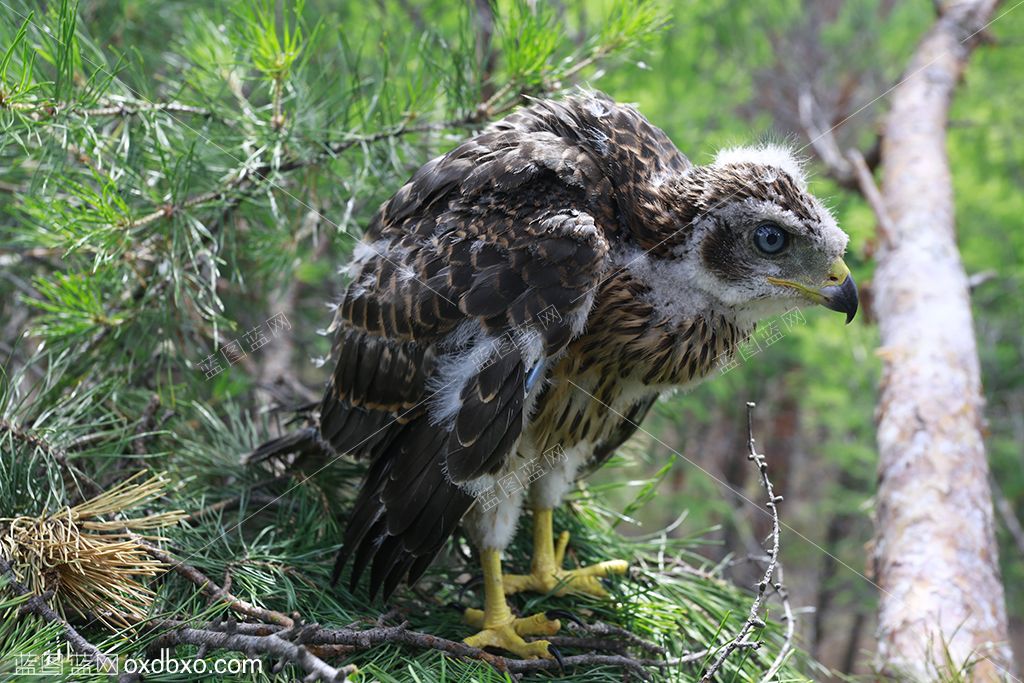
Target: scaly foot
[
  {"x": 547, "y": 576},
  {"x": 509, "y": 635}
]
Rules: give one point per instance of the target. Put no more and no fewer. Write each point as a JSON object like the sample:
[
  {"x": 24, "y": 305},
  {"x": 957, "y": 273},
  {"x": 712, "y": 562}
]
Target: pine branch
[
  {"x": 36, "y": 604},
  {"x": 121, "y": 107},
  {"x": 59, "y": 455},
  {"x": 314, "y": 635},
  {"x": 247, "y": 181},
  {"x": 286, "y": 645},
  {"x": 214, "y": 591}
]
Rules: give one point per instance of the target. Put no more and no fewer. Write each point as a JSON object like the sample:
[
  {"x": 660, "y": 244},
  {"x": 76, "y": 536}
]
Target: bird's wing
[
  {"x": 498, "y": 233},
  {"x": 474, "y": 273}
]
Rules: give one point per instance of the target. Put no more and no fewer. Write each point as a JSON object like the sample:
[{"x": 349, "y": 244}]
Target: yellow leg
[
  {"x": 546, "y": 573},
  {"x": 498, "y": 628}
]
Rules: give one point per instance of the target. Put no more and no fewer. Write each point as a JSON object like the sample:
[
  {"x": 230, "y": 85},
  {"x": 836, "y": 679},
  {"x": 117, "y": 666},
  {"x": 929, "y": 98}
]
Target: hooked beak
[{"x": 838, "y": 292}]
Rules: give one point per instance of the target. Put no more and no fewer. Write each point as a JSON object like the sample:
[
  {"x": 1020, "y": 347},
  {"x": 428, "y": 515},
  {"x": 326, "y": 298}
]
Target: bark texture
[{"x": 936, "y": 559}]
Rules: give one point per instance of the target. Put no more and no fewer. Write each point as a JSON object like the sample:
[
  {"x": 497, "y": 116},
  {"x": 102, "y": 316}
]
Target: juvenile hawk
[{"x": 518, "y": 306}]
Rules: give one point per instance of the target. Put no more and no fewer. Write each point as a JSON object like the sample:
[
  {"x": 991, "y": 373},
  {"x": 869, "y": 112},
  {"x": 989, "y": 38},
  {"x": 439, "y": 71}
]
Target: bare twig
[
  {"x": 823, "y": 142},
  {"x": 753, "y": 619},
  {"x": 263, "y": 500},
  {"x": 132, "y": 108},
  {"x": 277, "y": 118},
  {"x": 606, "y": 637},
  {"x": 588, "y": 643},
  {"x": 36, "y": 604},
  {"x": 868, "y": 188},
  {"x": 848, "y": 170},
  {"x": 787, "y": 616},
  {"x": 975, "y": 280}
]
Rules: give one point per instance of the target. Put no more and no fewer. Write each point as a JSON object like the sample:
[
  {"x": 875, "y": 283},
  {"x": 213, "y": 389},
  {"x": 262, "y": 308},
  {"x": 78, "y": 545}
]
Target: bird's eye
[{"x": 770, "y": 238}]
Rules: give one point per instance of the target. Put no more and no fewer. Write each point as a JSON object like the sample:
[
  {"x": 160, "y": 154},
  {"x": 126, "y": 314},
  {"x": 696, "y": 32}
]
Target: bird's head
[{"x": 759, "y": 242}]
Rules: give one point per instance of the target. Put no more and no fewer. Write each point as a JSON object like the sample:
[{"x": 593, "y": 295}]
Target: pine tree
[{"x": 178, "y": 186}]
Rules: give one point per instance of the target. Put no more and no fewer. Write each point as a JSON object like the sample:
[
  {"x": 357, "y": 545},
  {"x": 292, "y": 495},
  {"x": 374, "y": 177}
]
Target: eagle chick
[{"x": 516, "y": 308}]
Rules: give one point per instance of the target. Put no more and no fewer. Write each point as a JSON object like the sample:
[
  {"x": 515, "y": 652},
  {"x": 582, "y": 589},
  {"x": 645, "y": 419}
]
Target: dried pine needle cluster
[{"x": 89, "y": 555}]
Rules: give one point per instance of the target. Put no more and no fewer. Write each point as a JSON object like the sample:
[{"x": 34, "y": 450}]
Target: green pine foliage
[{"x": 174, "y": 176}]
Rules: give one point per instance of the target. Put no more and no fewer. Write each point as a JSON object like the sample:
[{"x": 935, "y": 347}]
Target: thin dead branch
[
  {"x": 787, "y": 616},
  {"x": 823, "y": 142},
  {"x": 869, "y": 189},
  {"x": 235, "y": 502},
  {"x": 848, "y": 170},
  {"x": 623, "y": 636},
  {"x": 741, "y": 639}
]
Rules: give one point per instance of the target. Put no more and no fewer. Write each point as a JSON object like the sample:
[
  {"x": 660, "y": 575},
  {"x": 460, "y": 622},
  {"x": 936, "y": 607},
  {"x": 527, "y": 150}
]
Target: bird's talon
[
  {"x": 554, "y": 651},
  {"x": 564, "y": 614},
  {"x": 509, "y": 636}
]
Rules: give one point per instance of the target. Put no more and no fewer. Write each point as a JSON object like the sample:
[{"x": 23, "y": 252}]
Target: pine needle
[{"x": 91, "y": 564}]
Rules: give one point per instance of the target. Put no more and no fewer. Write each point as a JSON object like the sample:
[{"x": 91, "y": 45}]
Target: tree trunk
[{"x": 936, "y": 558}]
